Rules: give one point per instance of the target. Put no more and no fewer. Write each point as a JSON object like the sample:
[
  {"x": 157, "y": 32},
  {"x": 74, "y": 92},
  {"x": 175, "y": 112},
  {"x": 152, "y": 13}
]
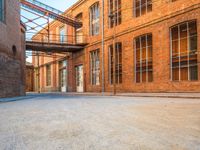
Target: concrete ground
[{"x": 56, "y": 122}]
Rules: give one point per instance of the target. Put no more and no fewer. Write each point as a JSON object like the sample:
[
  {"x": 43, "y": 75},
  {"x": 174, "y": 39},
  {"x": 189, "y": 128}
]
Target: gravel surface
[{"x": 53, "y": 122}]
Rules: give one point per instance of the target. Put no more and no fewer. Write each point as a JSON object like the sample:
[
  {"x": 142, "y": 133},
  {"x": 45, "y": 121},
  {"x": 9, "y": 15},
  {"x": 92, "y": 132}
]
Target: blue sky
[{"x": 58, "y": 4}]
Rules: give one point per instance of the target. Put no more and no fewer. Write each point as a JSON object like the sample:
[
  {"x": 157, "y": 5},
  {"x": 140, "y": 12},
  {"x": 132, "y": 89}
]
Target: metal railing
[{"x": 56, "y": 38}]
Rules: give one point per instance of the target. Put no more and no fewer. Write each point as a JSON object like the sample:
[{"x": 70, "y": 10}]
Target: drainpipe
[{"x": 102, "y": 26}]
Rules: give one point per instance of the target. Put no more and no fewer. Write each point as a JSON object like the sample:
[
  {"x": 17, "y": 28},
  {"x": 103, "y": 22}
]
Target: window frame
[
  {"x": 48, "y": 75},
  {"x": 147, "y": 8},
  {"x": 95, "y": 67},
  {"x": 119, "y": 70},
  {"x": 118, "y": 18},
  {"x": 147, "y": 70},
  {"x": 94, "y": 19},
  {"x": 62, "y": 38},
  {"x": 179, "y": 52}
]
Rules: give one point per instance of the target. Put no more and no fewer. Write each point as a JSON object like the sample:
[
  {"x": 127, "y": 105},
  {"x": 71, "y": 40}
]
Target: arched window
[
  {"x": 94, "y": 19},
  {"x": 184, "y": 64}
]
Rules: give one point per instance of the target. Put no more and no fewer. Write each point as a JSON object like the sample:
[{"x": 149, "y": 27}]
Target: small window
[
  {"x": 62, "y": 34},
  {"x": 115, "y": 13},
  {"x": 2, "y": 10},
  {"x": 142, "y": 7},
  {"x": 48, "y": 75},
  {"x": 118, "y": 63},
  {"x": 94, "y": 67},
  {"x": 94, "y": 19}
]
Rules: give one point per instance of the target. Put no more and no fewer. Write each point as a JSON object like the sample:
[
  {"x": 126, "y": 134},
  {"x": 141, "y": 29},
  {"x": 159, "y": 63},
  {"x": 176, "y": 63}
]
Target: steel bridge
[{"x": 45, "y": 12}]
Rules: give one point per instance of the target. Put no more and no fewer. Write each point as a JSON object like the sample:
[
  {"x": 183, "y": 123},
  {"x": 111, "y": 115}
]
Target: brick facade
[
  {"x": 29, "y": 77},
  {"x": 158, "y": 22},
  {"x": 12, "y": 52}
]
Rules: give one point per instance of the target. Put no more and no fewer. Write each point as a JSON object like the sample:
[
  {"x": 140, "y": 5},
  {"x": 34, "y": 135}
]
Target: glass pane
[
  {"x": 193, "y": 73},
  {"x": 150, "y": 76},
  {"x": 184, "y": 73},
  {"x": 144, "y": 76},
  {"x": 149, "y": 5},
  {"x": 175, "y": 74},
  {"x": 174, "y": 33},
  {"x": 143, "y": 7},
  {"x": 138, "y": 77},
  {"x": 137, "y": 8},
  {"x": 192, "y": 28},
  {"x": 1, "y": 10}
]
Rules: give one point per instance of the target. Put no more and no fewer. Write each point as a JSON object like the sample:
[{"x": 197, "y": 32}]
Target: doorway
[
  {"x": 63, "y": 75},
  {"x": 79, "y": 78}
]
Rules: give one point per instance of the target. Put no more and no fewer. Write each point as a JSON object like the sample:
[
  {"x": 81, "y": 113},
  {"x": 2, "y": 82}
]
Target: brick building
[
  {"x": 29, "y": 77},
  {"x": 12, "y": 50},
  {"x": 155, "y": 44}
]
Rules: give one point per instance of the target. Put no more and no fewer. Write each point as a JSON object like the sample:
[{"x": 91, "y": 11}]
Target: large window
[
  {"x": 48, "y": 75},
  {"x": 142, "y": 7},
  {"x": 143, "y": 59},
  {"x": 94, "y": 19},
  {"x": 184, "y": 65},
  {"x": 118, "y": 63},
  {"x": 62, "y": 34},
  {"x": 2, "y": 10},
  {"x": 94, "y": 67},
  {"x": 115, "y": 14}
]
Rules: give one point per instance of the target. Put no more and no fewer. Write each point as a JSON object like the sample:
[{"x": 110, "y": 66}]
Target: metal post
[
  {"x": 48, "y": 31},
  {"x": 114, "y": 50},
  {"x": 103, "y": 86},
  {"x": 38, "y": 73}
]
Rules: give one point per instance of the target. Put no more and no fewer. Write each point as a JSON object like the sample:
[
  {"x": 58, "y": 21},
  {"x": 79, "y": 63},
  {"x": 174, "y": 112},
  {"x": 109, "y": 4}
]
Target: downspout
[{"x": 103, "y": 78}]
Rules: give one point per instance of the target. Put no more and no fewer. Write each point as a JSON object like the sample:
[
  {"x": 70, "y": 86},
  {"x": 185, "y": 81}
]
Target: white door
[
  {"x": 79, "y": 78},
  {"x": 63, "y": 80},
  {"x": 63, "y": 75}
]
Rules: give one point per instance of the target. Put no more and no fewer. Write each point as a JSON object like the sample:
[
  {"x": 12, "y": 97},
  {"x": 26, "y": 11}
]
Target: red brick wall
[
  {"x": 164, "y": 15},
  {"x": 12, "y": 66}
]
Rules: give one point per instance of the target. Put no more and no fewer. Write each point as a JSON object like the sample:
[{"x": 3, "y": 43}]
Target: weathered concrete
[{"x": 98, "y": 123}]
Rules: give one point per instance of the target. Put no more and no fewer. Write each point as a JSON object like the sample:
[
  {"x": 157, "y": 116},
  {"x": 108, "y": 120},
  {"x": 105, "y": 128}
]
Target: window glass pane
[
  {"x": 175, "y": 75},
  {"x": 2, "y": 10},
  {"x": 94, "y": 67},
  {"x": 48, "y": 75},
  {"x": 62, "y": 34},
  {"x": 116, "y": 19},
  {"x": 118, "y": 63},
  {"x": 142, "y": 7},
  {"x": 149, "y": 5},
  {"x": 144, "y": 64},
  {"x": 183, "y": 39},
  {"x": 193, "y": 73},
  {"x": 184, "y": 61},
  {"x": 94, "y": 19}
]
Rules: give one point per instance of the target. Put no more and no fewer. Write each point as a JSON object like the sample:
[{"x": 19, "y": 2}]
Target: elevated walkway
[{"x": 53, "y": 47}]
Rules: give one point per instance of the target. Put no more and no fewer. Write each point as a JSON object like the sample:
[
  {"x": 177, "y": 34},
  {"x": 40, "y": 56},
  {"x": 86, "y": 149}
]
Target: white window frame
[
  {"x": 94, "y": 19},
  {"x": 95, "y": 67}
]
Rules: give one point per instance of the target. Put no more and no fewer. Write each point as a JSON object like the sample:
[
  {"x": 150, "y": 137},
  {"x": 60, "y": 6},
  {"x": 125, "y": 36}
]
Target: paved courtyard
[{"x": 53, "y": 122}]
